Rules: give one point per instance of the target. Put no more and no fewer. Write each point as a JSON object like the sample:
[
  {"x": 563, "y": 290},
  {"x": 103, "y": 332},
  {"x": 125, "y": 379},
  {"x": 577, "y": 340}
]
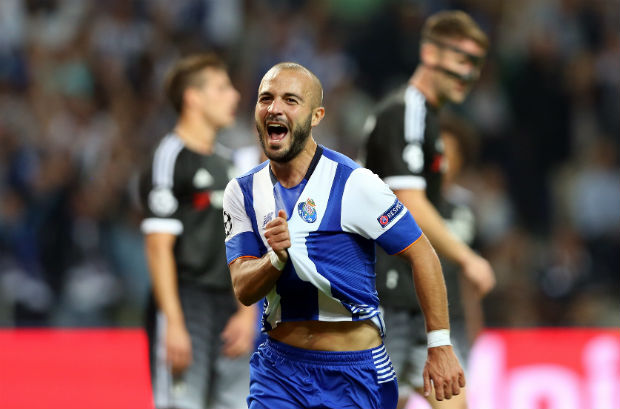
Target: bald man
[{"x": 300, "y": 232}]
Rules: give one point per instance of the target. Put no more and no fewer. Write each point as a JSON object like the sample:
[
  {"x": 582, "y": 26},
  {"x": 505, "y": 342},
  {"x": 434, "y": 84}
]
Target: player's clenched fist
[{"x": 277, "y": 235}]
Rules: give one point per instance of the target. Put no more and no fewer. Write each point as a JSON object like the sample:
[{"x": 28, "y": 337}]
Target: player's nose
[{"x": 275, "y": 107}]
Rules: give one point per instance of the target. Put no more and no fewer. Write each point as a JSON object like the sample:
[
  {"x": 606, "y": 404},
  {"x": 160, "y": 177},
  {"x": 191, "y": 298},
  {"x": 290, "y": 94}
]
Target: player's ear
[
  {"x": 429, "y": 53},
  {"x": 317, "y": 115},
  {"x": 190, "y": 97}
]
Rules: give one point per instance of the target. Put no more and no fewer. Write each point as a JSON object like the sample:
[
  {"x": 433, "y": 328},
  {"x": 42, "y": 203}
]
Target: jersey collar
[{"x": 315, "y": 160}]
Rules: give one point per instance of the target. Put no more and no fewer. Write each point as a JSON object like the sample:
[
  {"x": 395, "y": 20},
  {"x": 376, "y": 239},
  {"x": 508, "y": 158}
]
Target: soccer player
[
  {"x": 200, "y": 336},
  {"x": 405, "y": 150},
  {"x": 300, "y": 231}
]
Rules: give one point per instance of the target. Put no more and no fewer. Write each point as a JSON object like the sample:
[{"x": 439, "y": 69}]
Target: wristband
[
  {"x": 275, "y": 261},
  {"x": 438, "y": 338}
]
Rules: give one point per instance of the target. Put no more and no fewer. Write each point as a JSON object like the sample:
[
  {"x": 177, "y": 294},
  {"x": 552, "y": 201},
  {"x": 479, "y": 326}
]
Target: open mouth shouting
[{"x": 276, "y": 131}]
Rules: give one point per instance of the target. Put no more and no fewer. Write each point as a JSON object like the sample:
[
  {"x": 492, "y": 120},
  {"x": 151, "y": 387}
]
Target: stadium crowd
[{"x": 81, "y": 109}]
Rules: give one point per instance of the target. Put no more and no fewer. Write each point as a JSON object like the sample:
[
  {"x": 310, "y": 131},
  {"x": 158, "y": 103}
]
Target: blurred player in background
[
  {"x": 200, "y": 337},
  {"x": 404, "y": 148},
  {"x": 465, "y": 307},
  {"x": 300, "y": 231}
]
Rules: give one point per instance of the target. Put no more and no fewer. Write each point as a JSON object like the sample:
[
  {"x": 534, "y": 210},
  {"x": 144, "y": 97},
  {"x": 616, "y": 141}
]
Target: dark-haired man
[{"x": 200, "y": 337}]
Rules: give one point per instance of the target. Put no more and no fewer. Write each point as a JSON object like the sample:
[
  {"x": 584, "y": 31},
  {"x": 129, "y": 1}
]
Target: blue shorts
[{"x": 285, "y": 377}]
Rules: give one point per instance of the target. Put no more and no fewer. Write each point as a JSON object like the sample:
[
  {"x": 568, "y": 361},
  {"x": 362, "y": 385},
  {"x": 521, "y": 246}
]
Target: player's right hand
[
  {"x": 277, "y": 235},
  {"x": 178, "y": 347}
]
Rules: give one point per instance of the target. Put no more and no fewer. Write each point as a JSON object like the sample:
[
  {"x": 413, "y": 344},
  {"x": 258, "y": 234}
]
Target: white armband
[
  {"x": 275, "y": 261},
  {"x": 438, "y": 338}
]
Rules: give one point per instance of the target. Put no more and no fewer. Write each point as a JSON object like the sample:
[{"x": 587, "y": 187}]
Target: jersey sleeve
[
  {"x": 372, "y": 210},
  {"x": 161, "y": 207},
  {"x": 395, "y": 145},
  {"x": 241, "y": 241}
]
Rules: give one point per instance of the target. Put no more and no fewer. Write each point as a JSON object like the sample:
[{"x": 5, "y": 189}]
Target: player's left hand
[
  {"x": 443, "y": 369},
  {"x": 238, "y": 335}
]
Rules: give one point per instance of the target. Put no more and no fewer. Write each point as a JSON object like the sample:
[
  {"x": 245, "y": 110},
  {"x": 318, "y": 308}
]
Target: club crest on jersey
[
  {"x": 391, "y": 213},
  {"x": 307, "y": 210}
]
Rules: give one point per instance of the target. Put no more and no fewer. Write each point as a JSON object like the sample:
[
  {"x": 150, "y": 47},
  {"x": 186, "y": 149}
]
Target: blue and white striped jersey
[{"x": 335, "y": 215}]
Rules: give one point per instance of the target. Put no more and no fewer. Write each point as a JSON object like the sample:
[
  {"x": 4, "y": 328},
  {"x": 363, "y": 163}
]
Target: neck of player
[
  {"x": 291, "y": 173},
  {"x": 197, "y": 134},
  {"x": 422, "y": 80}
]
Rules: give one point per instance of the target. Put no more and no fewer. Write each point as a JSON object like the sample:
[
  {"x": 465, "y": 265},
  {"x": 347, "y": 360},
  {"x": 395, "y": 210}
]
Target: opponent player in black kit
[
  {"x": 200, "y": 337},
  {"x": 405, "y": 150}
]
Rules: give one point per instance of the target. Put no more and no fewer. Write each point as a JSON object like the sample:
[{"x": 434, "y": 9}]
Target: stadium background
[{"x": 81, "y": 107}]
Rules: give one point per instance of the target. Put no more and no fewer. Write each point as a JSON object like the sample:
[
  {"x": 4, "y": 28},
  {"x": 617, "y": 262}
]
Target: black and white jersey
[
  {"x": 404, "y": 148},
  {"x": 182, "y": 194}
]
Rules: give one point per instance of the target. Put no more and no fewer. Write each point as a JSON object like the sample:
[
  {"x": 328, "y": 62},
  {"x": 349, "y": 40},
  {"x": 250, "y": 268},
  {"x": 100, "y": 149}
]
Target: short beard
[{"x": 299, "y": 136}]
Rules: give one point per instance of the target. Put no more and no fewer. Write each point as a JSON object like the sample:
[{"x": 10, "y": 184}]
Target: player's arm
[
  {"x": 253, "y": 270},
  {"x": 429, "y": 283},
  {"x": 372, "y": 210},
  {"x": 253, "y": 278},
  {"x": 442, "y": 366},
  {"x": 404, "y": 173},
  {"x": 475, "y": 268},
  {"x": 162, "y": 268}
]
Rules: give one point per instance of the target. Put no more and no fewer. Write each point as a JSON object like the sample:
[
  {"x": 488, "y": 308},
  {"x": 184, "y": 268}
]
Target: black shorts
[{"x": 212, "y": 380}]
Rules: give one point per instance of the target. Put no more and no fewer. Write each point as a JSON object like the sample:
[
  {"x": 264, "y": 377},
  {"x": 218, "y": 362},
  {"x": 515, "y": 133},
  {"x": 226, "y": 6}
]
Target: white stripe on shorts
[{"x": 383, "y": 365}]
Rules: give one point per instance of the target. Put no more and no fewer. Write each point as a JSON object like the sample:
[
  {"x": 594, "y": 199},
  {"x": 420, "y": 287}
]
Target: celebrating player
[{"x": 300, "y": 231}]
